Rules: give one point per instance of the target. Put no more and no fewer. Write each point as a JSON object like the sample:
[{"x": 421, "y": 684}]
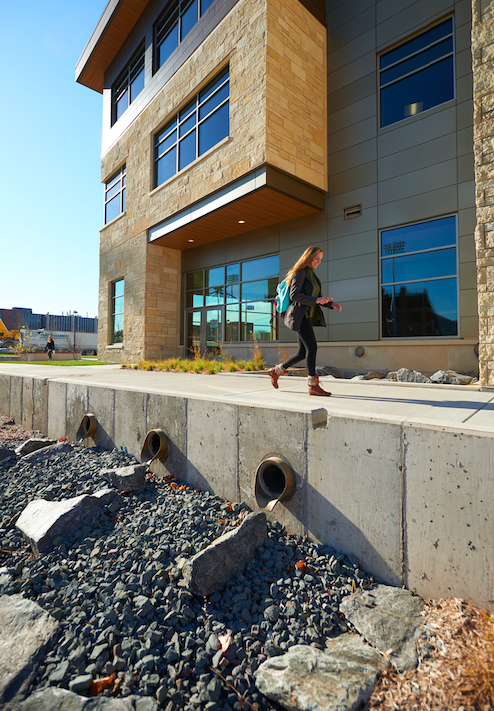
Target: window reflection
[
  {"x": 417, "y": 75},
  {"x": 247, "y": 304},
  {"x": 421, "y": 309},
  {"x": 419, "y": 284}
]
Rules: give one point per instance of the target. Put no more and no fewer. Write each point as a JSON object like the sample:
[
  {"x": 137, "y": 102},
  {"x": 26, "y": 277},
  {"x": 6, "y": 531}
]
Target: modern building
[{"x": 238, "y": 132}]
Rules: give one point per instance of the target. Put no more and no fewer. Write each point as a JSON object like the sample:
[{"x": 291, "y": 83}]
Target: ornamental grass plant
[{"x": 209, "y": 363}]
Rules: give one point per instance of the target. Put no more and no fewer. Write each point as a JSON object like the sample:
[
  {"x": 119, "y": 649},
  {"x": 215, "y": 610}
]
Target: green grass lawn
[{"x": 84, "y": 361}]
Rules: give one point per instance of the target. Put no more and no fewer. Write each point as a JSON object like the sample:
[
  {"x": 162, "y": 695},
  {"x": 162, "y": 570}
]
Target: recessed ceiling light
[
  {"x": 241, "y": 222},
  {"x": 191, "y": 240}
]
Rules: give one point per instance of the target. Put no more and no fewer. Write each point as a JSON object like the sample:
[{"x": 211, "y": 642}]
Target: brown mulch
[
  {"x": 459, "y": 674},
  {"x": 9, "y": 431}
]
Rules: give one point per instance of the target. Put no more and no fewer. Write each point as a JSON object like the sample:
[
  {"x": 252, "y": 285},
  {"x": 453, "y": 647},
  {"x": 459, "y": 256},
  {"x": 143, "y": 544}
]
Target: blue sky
[{"x": 51, "y": 198}]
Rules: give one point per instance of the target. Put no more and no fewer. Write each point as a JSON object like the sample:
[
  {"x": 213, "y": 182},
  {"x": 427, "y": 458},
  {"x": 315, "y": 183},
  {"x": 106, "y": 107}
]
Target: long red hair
[{"x": 302, "y": 262}]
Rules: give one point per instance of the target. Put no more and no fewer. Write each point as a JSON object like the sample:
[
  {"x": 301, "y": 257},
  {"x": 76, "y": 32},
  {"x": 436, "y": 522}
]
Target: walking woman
[{"x": 303, "y": 313}]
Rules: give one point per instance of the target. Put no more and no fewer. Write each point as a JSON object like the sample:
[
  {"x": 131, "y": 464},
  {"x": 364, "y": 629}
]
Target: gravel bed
[{"x": 116, "y": 587}]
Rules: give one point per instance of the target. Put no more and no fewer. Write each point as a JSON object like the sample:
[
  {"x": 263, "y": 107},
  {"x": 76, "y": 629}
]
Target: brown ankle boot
[
  {"x": 276, "y": 373},
  {"x": 315, "y": 388}
]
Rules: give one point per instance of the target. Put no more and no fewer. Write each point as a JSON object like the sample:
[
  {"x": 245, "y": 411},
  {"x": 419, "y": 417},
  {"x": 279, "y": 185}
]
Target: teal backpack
[{"x": 282, "y": 300}]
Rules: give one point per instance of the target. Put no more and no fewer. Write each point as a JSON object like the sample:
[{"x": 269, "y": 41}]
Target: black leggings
[{"x": 307, "y": 344}]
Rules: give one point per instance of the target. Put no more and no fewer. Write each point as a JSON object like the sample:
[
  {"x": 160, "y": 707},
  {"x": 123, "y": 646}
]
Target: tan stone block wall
[
  {"x": 296, "y": 96},
  {"x": 483, "y": 75},
  {"x": 296, "y": 93}
]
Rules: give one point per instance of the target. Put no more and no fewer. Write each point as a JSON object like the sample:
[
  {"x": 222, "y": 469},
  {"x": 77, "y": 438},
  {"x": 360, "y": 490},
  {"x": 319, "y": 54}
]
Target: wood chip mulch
[
  {"x": 459, "y": 676},
  {"x": 9, "y": 431}
]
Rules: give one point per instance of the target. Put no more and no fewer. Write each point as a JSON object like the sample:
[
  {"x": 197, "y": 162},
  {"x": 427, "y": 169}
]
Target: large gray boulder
[
  {"x": 53, "y": 450},
  {"x": 43, "y": 521},
  {"x": 130, "y": 478},
  {"x": 388, "y": 618},
  {"x": 228, "y": 555},
  {"x": 404, "y": 375},
  {"x": 26, "y": 633},
  {"x": 33, "y": 445},
  {"x": 341, "y": 678},
  {"x": 55, "y": 699}
]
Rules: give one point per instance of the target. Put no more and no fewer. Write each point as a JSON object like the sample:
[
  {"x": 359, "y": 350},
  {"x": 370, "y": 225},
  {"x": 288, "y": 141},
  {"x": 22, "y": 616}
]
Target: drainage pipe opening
[
  {"x": 274, "y": 482},
  {"x": 155, "y": 446},
  {"x": 87, "y": 428}
]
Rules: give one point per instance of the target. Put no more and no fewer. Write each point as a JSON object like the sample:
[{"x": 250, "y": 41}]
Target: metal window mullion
[
  {"x": 415, "y": 71},
  {"x": 217, "y": 108},
  {"x": 414, "y": 54},
  {"x": 203, "y": 101},
  {"x": 419, "y": 281},
  {"x": 419, "y": 251}
]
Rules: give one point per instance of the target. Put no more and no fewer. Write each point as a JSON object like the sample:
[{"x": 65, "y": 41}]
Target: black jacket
[{"x": 301, "y": 298}]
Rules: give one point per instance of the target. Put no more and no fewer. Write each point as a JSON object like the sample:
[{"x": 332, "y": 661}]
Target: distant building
[
  {"x": 18, "y": 318},
  {"x": 238, "y": 132}
]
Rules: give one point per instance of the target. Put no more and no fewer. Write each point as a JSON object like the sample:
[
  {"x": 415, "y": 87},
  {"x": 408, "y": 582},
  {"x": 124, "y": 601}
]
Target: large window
[
  {"x": 193, "y": 130},
  {"x": 419, "y": 280},
  {"x": 117, "y": 311},
  {"x": 173, "y": 25},
  {"x": 417, "y": 75},
  {"x": 129, "y": 84},
  {"x": 239, "y": 295},
  {"x": 115, "y": 195}
]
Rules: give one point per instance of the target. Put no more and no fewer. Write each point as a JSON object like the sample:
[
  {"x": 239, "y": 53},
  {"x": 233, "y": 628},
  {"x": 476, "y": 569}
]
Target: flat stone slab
[
  {"x": 6, "y": 454},
  {"x": 130, "y": 478},
  {"x": 388, "y": 618},
  {"x": 42, "y": 521},
  {"x": 33, "y": 445},
  {"x": 341, "y": 678},
  {"x": 53, "y": 450},
  {"x": 26, "y": 633},
  {"x": 209, "y": 570},
  {"x": 55, "y": 699}
]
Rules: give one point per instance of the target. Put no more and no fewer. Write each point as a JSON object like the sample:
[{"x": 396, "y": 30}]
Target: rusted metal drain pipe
[
  {"x": 87, "y": 428},
  {"x": 274, "y": 482},
  {"x": 155, "y": 446}
]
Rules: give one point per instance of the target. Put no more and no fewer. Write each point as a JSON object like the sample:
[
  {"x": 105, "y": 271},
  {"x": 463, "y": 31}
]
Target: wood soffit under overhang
[
  {"x": 259, "y": 209},
  {"x": 116, "y": 23}
]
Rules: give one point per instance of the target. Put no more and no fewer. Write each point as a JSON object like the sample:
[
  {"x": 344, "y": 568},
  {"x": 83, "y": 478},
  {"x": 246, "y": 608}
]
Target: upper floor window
[
  {"x": 129, "y": 84},
  {"x": 193, "y": 130},
  {"x": 117, "y": 311},
  {"x": 171, "y": 28},
  {"x": 417, "y": 75},
  {"x": 115, "y": 195},
  {"x": 419, "y": 280}
]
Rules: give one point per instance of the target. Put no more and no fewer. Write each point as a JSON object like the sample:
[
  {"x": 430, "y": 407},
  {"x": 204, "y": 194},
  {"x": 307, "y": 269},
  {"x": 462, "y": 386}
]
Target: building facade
[{"x": 238, "y": 132}]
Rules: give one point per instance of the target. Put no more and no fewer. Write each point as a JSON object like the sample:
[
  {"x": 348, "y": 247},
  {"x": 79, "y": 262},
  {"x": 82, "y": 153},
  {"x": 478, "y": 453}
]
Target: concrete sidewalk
[
  {"x": 399, "y": 475},
  {"x": 461, "y": 406}
]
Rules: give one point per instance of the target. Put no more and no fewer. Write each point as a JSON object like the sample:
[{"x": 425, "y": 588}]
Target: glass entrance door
[{"x": 204, "y": 332}]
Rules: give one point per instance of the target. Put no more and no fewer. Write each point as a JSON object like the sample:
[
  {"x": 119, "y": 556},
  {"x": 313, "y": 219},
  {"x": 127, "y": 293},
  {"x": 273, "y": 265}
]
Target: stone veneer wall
[
  {"x": 277, "y": 116},
  {"x": 483, "y": 93}
]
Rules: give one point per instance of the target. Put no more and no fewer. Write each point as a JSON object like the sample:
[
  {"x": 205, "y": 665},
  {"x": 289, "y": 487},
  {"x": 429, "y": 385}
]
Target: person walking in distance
[
  {"x": 303, "y": 313},
  {"x": 50, "y": 347}
]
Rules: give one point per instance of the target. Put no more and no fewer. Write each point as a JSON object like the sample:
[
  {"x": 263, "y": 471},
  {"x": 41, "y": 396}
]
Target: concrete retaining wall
[{"x": 413, "y": 502}]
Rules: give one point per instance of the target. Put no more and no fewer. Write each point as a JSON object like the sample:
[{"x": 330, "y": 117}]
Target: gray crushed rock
[{"x": 116, "y": 587}]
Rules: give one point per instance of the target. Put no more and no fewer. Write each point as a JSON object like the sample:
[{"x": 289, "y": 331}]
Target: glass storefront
[{"x": 231, "y": 303}]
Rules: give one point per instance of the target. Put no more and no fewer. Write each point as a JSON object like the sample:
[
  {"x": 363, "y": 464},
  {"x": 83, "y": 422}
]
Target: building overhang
[
  {"x": 262, "y": 198},
  {"x": 113, "y": 28}
]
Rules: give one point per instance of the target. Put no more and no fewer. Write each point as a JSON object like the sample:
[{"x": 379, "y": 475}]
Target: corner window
[
  {"x": 115, "y": 195},
  {"x": 129, "y": 85},
  {"x": 417, "y": 75},
  {"x": 117, "y": 311},
  {"x": 173, "y": 26},
  {"x": 240, "y": 296},
  {"x": 193, "y": 130},
  {"x": 419, "y": 280}
]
